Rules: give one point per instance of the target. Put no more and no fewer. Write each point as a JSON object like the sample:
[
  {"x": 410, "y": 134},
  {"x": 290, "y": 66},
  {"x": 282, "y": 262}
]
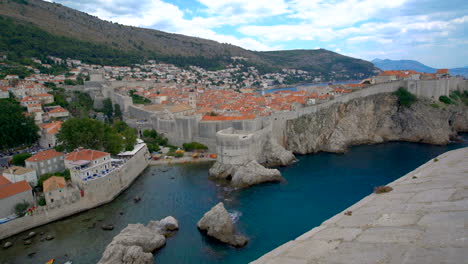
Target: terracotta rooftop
[
  {"x": 4, "y": 180},
  {"x": 85, "y": 154},
  {"x": 44, "y": 155},
  {"x": 58, "y": 110},
  {"x": 8, "y": 190},
  {"x": 54, "y": 183},
  {"x": 52, "y": 128}
]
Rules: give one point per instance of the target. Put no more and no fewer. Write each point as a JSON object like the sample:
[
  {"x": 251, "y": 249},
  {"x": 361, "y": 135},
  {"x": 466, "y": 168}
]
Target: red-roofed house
[
  {"x": 45, "y": 98},
  {"x": 12, "y": 194},
  {"x": 85, "y": 164},
  {"x": 47, "y": 161},
  {"x": 49, "y": 134},
  {"x": 58, "y": 112}
]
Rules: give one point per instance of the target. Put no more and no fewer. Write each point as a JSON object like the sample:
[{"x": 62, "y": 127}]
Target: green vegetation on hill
[
  {"x": 43, "y": 27},
  {"x": 25, "y": 40},
  {"x": 19, "y": 159},
  {"x": 16, "y": 128}
]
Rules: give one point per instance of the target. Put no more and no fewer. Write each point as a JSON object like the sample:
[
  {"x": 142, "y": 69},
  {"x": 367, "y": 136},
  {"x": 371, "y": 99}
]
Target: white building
[
  {"x": 17, "y": 174},
  {"x": 85, "y": 164},
  {"x": 12, "y": 194}
]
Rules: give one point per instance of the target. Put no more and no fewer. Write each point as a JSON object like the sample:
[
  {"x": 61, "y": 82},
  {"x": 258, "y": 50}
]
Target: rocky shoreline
[{"x": 374, "y": 119}]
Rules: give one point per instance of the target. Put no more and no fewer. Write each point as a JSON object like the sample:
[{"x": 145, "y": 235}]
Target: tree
[
  {"x": 19, "y": 159},
  {"x": 107, "y": 108},
  {"x": 16, "y": 128},
  {"x": 93, "y": 134},
  {"x": 117, "y": 112},
  {"x": 82, "y": 132},
  {"x": 130, "y": 138}
]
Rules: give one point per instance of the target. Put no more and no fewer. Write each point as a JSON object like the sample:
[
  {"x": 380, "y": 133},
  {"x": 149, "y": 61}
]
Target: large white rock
[
  {"x": 136, "y": 243},
  {"x": 218, "y": 224}
]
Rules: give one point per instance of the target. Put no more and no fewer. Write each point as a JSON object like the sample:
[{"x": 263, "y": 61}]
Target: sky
[{"x": 434, "y": 32}]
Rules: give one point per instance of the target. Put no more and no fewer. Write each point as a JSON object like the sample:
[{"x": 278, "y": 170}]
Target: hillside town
[{"x": 50, "y": 179}]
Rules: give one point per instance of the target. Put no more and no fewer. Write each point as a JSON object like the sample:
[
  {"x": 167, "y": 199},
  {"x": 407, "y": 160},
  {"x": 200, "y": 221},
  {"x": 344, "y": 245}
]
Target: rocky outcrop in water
[
  {"x": 245, "y": 175},
  {"x": 136, "y": 243},
  {"x": 217, "y": 223},
  {"x": 374, "y": 119}
]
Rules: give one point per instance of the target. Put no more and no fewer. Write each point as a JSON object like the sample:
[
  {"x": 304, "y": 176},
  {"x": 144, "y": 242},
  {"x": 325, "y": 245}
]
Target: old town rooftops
[
  {"x": 44, "y": 155},
  {"x": 85, "y": 154}
]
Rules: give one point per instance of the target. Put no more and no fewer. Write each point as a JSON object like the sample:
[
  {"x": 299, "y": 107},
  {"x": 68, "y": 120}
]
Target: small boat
[
  {"x": 8, "y": 218},
  {"x": 51, "y": 261},
  {"x": 68, "y": 262}
]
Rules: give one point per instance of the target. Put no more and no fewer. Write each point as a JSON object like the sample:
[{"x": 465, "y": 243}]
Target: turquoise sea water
[{"x": 317, "y": 187}]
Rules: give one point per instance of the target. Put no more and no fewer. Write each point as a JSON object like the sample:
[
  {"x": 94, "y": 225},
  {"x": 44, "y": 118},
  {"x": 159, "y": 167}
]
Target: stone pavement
[{"x": 423, "y": 220}]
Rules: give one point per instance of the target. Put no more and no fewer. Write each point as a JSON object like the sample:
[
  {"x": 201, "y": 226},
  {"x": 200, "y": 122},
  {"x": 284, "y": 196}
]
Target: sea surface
[{"x": 316, "y": 188}]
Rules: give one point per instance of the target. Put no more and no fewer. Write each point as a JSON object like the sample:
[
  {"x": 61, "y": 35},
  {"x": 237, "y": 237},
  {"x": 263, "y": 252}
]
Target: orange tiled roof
[
  {"x": 58, "y": 110},
  {"x": 8, "y": 190},
  {"x": 4, "y": 180},
  {"x": 44, "y": 155},
  {"x": 85, "y": 154},
  {"x": 442, "y": 71},
  {"x": 54, "y": 183},
  {"x": 52, "y": 128}
]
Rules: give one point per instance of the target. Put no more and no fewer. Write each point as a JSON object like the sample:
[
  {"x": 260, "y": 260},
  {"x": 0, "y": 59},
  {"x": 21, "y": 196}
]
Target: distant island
[{"x": 388, "y": 65}]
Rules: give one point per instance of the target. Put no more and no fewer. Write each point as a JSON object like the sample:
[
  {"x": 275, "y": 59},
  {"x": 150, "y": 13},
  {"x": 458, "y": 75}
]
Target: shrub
[
  {"x": 436, "y": 160},
  {"x": 435, "y": 105},
  {"x": 444, "y": 99},
  {"x": 20, "y": 208},
  {"x": 178, "y": 154},
  {"x": 19, "y": 159},
  {"x": 382, "y": 189},
  {"x": 405, "y": 98},
  {"x": 42, "y": 201},
  {"x": 194, "y": 146}
]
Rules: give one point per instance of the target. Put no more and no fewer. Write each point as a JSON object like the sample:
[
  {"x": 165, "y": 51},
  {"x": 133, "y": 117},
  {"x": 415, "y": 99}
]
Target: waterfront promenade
[{"x": 422, "y": 220}]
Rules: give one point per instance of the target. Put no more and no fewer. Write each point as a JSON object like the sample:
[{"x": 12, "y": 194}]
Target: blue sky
[{"x": 433, "y": 32}]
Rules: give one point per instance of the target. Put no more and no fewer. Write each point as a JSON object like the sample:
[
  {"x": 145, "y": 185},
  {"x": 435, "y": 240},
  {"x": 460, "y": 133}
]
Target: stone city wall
[
  {"x": 96, "y": 193},
  {"x": 237, "y": 147}
]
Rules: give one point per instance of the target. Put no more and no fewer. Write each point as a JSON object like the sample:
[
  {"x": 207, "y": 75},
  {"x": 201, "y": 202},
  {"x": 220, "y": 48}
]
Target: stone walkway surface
[{"x": 424, "y": 219}]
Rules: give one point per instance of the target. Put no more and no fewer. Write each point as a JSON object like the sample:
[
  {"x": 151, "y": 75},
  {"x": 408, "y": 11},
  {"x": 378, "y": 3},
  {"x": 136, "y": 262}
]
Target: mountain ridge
[
  {"x": 387, "y": 64},
  {"x": 61, "y": 21}
]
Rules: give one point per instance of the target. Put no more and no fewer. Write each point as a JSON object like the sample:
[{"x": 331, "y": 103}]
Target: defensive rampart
[{"x": 95, "y": 193}]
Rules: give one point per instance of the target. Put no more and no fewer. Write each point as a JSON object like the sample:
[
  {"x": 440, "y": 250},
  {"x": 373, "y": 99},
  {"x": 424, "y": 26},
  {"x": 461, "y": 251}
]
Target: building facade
[
  {"x": 17, "y": 174},
  {"x": 47, "y": 161}
]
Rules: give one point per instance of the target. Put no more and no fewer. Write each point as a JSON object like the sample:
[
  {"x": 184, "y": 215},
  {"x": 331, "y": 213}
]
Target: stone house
[
  {"x": 58, "y": 192},
  {"x": 17, "y": 174},
  {"x": 47, "y": 161},
  {"x": 57, "y": 112},
  {"x": 49, "y": 133},
  {"x": 45, "y": 98},
  {"x": 13, "y": 193}
]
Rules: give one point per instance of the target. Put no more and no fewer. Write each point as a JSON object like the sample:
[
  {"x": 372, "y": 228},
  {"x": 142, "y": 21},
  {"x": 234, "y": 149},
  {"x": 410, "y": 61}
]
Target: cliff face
[{"x": 374, "y": 119}]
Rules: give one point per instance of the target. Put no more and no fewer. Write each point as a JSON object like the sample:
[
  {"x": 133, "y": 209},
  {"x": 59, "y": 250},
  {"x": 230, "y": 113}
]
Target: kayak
[
  {"x": 8, "y": 218},
  {"x": 50, "y": 261}
]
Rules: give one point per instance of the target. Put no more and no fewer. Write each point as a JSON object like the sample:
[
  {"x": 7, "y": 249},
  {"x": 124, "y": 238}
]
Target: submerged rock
[
  {"x": 49, "y": 237},
  {"x": 7, "y": 244},
  {"x": 107, "y": 227},
  {"x": 136, "y": 243},
  {"x": 217, "y": 223}
]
